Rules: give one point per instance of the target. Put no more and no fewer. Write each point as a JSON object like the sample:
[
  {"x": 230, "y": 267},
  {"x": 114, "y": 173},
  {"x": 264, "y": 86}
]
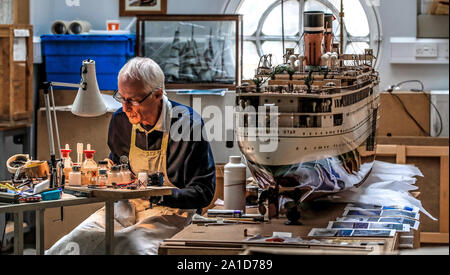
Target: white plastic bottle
[
  {"x": 234, "y": 184},
  {"x": 75, "y": 176}
]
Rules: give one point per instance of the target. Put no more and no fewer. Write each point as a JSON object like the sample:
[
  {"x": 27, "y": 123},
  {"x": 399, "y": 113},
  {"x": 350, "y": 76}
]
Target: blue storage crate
[{"x": 63, "y": 56}]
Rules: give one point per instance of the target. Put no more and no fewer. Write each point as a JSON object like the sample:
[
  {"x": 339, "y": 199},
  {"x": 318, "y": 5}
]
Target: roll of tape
[
  {"x": 79, "y": 26},
  {"x": 60, "y": 27}
]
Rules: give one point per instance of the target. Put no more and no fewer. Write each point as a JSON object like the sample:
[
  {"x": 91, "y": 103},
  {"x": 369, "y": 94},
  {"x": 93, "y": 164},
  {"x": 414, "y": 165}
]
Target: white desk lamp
[{"x": 88, "y": 103}]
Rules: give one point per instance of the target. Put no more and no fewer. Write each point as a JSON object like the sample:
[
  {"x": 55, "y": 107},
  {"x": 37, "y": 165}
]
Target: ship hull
[{"x": 317, "y": 161}]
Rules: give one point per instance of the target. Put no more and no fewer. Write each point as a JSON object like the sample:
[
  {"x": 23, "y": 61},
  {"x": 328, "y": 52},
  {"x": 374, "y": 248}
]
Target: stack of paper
[{"x": 362, "y": 220}]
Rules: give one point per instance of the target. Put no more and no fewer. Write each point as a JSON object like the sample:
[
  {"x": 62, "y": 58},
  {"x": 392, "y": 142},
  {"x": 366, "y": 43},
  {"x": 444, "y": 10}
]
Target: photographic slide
[{"x": 369, "y": 225}]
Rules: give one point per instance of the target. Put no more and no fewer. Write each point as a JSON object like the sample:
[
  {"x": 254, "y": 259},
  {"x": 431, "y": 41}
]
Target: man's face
[{"x": 135, "y": 91}]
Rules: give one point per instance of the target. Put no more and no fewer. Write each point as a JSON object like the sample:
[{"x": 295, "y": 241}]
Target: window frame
[{"x": 374, "y": 38}]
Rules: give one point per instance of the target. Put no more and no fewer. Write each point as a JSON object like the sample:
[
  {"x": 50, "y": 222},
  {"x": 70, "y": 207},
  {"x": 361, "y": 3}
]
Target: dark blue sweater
[{"x": 190, "y": 164}]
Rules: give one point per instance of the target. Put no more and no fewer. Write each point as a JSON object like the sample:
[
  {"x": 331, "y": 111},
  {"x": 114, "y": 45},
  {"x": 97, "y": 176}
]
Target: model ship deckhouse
[{"x": 326, "y": 111}]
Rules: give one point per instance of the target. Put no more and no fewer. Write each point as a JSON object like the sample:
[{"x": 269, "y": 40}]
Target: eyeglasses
[{"x": 119, "y": 98}]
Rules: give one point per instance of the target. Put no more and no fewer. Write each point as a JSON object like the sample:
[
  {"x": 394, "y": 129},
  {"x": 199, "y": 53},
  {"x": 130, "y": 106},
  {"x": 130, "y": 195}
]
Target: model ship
[
  {"x": 187, "y": 62},
  {"x": 326, "y": 111}
]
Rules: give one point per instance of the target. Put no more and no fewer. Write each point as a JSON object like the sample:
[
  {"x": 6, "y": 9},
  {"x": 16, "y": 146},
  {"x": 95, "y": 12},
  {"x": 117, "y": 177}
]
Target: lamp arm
[
  {"x": 56, "y": 122},
  {"x": 61, "y": 84},
  {"x": 48, "y": 88}
]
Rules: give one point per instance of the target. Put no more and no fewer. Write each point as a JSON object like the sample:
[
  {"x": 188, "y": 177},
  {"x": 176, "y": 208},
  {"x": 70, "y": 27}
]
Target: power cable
[{"x": 421, "y": 90}]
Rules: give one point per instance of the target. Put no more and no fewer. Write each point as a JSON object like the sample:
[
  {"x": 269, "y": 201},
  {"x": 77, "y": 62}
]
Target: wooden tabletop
[
  {"x": 95, "y": 195},
  {"x": 124, "y": 194},
  {"x": 316, "y": 217}
]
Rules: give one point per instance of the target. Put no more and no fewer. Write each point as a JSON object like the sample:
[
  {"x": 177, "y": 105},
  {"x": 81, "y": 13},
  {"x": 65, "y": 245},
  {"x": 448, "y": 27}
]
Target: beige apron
[
  {"x": 138, "y": 229},
  {"x": 151, "y": 161}
]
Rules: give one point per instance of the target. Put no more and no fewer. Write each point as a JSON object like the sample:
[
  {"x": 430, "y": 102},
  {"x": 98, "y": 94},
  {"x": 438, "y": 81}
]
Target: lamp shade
[{"x": 89, "y": 101}]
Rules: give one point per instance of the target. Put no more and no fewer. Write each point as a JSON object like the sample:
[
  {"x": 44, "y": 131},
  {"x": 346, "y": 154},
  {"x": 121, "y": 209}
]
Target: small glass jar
[
  {"x": 126, "y": 174},
  {"x": 115, "y": 176},
  {"x": 102, "y": 178},
  {"x": 103, "y": 165},
  {"x": 75, "y": 176}
]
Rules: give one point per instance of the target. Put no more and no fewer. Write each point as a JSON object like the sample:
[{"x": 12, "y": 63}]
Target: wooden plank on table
[
  {"x": 412, "y": 151},
  {"x": 434, "y": 237},
  {"x": 444, "y": 198},
  {"x": 386, "y": 150},
  {"x": 302, "y": 251},
  {"x": 189, "y": 250},
  {"x": 121, "y": 194},
  {"x": 426, "y": 151}
]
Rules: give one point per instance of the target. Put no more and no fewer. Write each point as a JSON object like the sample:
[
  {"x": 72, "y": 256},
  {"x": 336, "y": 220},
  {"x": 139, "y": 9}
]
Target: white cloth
[
  {"x": 135, "y": 233},
  {"x": 388, "y": 184}
]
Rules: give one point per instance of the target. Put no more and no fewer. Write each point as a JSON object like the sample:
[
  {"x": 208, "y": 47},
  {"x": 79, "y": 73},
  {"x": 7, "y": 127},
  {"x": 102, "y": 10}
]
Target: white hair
[{"x": 145, "y": 70}]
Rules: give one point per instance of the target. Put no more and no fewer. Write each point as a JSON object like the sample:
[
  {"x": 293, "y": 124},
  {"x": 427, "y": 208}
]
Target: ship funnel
[
  {"x": 314, "y": 36},
  {"x": 328, "y": 39}
]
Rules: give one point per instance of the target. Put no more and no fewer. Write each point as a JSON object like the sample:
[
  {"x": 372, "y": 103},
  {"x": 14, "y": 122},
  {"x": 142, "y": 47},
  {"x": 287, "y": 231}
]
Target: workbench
[
  {"x": 228, "y": 239},
  {"x": 109, "y": 197}
]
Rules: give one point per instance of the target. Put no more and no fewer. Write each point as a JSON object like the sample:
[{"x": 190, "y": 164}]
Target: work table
[{"x": 228, "y": 239}]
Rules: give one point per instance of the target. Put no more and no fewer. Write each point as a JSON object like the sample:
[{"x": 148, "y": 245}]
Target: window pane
[
  {"x": 272, "y": 26},
  {"x": 312, "y": 5},
  {"x": 252, "y": 11},
  {"x": 251, "y": 60},
  {"x": 355, "y": 19},
  {"x": 276, "y": 49},
  {"x": 356, "y": 47}
]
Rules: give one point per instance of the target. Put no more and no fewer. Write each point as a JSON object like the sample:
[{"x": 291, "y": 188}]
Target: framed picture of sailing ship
[
  {"x": 142, "y": 7},
  {"x": 194, "y": 51}
]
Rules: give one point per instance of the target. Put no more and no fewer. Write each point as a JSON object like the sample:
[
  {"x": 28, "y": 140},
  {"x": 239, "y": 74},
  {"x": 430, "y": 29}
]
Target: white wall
[
  {"x": 399, "y": 19},
  {"x": 45, "y": 12}
]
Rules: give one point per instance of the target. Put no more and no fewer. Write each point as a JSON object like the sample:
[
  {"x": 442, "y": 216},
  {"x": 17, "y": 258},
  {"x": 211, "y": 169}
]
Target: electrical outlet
[{"x": 427, "y": 50}]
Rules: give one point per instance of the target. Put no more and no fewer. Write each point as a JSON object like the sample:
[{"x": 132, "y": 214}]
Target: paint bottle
[
  {"x": 89, "y": 169},
  {"x": 67, "y": 161},
  {"x": 234, "y": 184}
]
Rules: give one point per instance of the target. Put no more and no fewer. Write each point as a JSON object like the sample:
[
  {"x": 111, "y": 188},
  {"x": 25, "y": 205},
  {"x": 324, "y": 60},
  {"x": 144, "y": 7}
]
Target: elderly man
[{"x": 147, "y": 130}]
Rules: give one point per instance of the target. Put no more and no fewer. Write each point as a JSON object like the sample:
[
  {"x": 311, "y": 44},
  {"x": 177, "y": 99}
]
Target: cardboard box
[
  {"x": 432, "y": 26},
  {"x": 393, "y": 119},
  {"x": 16, "y": 75}
]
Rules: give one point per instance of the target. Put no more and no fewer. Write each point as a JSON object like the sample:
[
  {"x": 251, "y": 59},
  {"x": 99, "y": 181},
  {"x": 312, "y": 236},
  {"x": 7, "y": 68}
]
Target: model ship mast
[
  {"x": 172, "y": 65},
  {"x": 189, "y": 60},
  {"x": 188, "y": 63},
  {"x": 341, "y": 15}
]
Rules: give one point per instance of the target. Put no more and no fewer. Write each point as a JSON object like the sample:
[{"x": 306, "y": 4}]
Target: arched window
[{"x": 263, "y": 31}]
